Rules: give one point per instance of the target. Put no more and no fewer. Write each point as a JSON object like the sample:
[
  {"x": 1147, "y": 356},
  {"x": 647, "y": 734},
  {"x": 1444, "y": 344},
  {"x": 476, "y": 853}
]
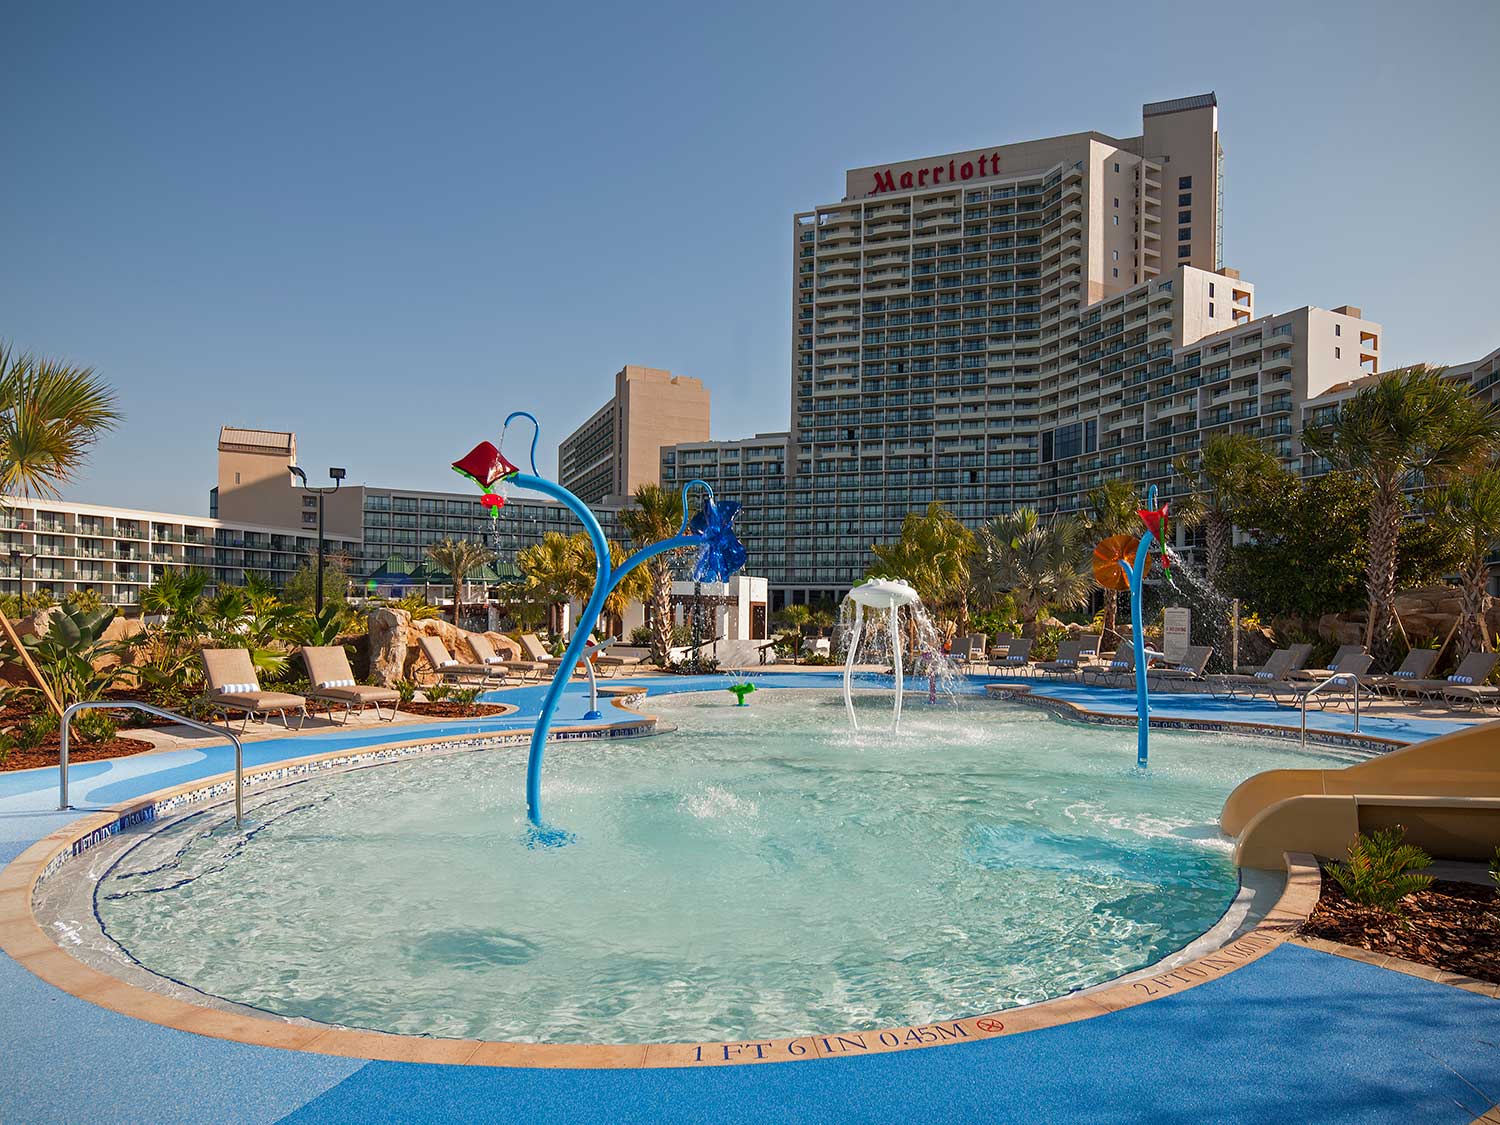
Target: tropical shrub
[
  {"x": 68, "y": 653},
  {"x": 439, "y": 692},
  {"x": 406, "y": 690},
  {"x": 33, "y": 730},
  {"x": 464, "y": 696},
  {"x": 1379, "y": 871},
  {"x": 95, "y": 725}
]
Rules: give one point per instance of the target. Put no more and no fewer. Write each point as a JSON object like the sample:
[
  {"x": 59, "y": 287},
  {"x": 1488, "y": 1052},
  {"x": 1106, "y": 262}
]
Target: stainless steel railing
[
  {"x": 136, "y": 705},
  {"x": 1343, "y": 680}
]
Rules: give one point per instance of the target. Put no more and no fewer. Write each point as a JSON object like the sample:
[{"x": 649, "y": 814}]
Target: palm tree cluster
[{"x": 562, "y": 569}]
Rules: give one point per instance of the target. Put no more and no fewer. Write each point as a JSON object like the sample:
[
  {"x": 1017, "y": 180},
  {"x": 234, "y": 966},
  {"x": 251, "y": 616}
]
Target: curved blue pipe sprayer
[
  {"x": 606, "y": 579},
  {"x": 1136, "y": 574}
]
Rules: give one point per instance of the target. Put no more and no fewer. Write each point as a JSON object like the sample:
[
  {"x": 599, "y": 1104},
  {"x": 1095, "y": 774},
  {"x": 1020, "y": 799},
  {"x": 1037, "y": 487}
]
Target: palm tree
[
  {"x": 556, "y": 570},
  {"x": 1040, "y": 564},
  {"x": 657, "y": 515},
  {"x": 1471, "y": 509},
  {"x": 1112, "y": 511},
  {"x": 50, "y": 416},
  {"x": 459, "y": 558},
  {"x": 933, "y": 554},
  {"x": 1409, "y": 429},
  {"x": 1230, "y": 469}
]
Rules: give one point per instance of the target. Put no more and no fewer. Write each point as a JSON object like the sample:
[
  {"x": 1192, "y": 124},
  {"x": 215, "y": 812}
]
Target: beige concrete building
[
  {"x": 619, "y": 447},
  {"x": 255, "y": 485}
]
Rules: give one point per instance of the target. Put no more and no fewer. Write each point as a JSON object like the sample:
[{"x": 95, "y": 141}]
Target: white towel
[
  {"x": 336, "y": 683},
  {"x": 239, "y": 689}
]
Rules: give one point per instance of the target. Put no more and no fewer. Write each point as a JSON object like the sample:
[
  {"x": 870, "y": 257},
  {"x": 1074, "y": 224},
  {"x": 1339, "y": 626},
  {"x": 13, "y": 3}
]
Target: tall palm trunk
[
  {"x": 1110, "y": 634},
  {"x": 1218, "y": 535},
  {"x": 661, "y": 610},
  {"x": 1473, "y": 633},
  {"x": 1380, "y": 573}
]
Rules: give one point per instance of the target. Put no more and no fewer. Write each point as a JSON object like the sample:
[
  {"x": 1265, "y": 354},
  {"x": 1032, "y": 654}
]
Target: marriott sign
[{"x": 957, "y": 169}]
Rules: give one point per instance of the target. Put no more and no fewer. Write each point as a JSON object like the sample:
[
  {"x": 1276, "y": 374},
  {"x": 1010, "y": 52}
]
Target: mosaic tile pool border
[{"x": 1021, "y": 693}]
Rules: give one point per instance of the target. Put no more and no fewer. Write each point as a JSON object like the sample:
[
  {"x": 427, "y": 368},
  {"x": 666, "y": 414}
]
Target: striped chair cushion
[
  {"x": 336, "y": 683},
  {"x": 239, "y": 689},
  {"x": 1265, "y": 675},
  {"x": 1404, "y": 675},
  {"x": 1460, "y": 679}
]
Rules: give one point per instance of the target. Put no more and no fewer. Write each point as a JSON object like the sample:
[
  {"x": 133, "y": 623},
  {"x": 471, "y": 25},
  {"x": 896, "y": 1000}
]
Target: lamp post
[
  {"x": 300, "y": 478},
  {"x": 18, "y": 559}
]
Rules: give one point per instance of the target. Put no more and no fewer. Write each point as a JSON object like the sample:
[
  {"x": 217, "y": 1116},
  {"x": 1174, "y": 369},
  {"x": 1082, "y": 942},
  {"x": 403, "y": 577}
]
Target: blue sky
[{"x": 385, "y": 226}]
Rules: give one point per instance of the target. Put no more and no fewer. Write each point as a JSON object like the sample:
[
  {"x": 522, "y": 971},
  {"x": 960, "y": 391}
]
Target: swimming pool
[{"x": 759, "y": 872}]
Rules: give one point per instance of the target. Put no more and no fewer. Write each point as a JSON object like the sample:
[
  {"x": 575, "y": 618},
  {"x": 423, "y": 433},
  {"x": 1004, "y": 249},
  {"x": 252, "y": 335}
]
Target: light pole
[
  {"x": 300, "y": 477},
  {"x": 18, "y": 559}
]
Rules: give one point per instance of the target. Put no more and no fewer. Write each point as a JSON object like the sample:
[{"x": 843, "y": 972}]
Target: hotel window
[
  {"x": 1185, "y": 199},
  {"x": 1117, "y": 166},
  {"x": 1184, "y": 234},
  {"x": 1117, "y": 273},
  {"x": 1184, "y": 216},
  {"x": 1338, "y": 329},
  {"x": 1184, "y": 251},
  {"x": 1117, "y": 201},
  {"x": 1184, "y": 183},
  {"x": 1337, "y": 354},
  {"x": 1210, "y": 288},
  {"x": 1117, "y": 220},
  {"x": 1116, "y": 253}
]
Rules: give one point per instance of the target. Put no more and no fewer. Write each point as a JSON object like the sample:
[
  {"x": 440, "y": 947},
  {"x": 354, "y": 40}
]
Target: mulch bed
[
  {"x": 78, "y": 751},
  {"x": 446, "y": 710},
  {"x": 1451, "y": 926}
]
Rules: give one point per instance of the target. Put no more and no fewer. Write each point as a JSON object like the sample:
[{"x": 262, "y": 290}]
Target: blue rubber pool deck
[{"x": 1297, "y": 1035}]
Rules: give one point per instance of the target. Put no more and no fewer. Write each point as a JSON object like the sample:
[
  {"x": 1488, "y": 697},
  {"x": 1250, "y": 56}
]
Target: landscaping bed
[
  {"x": 78, "y": 751},
  {"x": 1450, "y": 926},
  {"x": 449, "y": 710}
]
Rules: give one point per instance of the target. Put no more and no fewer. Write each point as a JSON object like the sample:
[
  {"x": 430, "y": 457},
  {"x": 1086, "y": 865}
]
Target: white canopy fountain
[{"x": 889, "y": 594}]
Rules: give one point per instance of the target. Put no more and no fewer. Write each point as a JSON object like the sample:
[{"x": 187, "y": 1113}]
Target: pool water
[{"x": 760, "y": 872}]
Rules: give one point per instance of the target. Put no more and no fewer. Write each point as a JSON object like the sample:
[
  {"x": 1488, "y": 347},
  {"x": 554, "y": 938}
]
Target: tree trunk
[
  {"x": 457, "y": 604},
  {"x": 1218, "y": 535},
  {"x": 660, "y": 607},
  {"x": 963, "y": 610},
  {"x": 1472, "y": 631},
  {"x": 1380, "y": 574},
  {"x": 1109, "y": 634}
]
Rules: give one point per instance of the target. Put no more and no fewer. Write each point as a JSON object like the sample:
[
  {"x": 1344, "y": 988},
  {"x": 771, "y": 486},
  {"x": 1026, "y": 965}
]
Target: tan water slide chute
[{"x": 1445, "y": 792}]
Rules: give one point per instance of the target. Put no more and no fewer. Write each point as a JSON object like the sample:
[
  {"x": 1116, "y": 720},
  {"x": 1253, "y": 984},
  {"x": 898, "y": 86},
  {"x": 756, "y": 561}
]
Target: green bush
[
  {"x": 439, "y": 692},
  {"x": 464, "y": 696},
  {"x": 8, "y": 745},
  {"x": 32, "y": 731},
  {"x": 1379, "y": 871},
  {"x": 95, "y": 726},
  {"x": 406, "y": 690}
]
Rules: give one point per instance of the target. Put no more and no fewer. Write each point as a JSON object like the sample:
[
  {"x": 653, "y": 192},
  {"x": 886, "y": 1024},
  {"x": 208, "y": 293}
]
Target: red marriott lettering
[{"x": 954, "y": 170}]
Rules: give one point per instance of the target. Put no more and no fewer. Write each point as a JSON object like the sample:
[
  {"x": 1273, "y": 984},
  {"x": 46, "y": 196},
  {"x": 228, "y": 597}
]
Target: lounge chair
[
  {"x": 444, "y": 667},
  {"x": 232, "y": 685},
  {"x": 485, "y": 652},
  {"x": 1343, "y": 654},
  {"x": 1278, "y": 667},
  {"x": 333, "y": 683},
  {"x": 1120, "y": 663},
  {"x": 1418, "y": 665},
  {"x": 1016, "y": 658},
  {"x": 1066, "y": 663},
  {"x": 1340, "y": 683},
  {"x": 1088, "y": 647},
  {"x": 970, "y": 650},
  {"x": 1472, "y": 671},
  {"x": 1188, "y": 671}
]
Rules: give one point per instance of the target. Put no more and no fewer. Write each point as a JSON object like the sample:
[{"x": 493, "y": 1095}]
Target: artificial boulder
[{"x": 390, "y": 636}]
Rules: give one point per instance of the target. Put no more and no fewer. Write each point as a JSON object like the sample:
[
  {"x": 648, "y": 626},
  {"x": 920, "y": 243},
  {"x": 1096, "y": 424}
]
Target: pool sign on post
[{"x": 1176, "y": 631}]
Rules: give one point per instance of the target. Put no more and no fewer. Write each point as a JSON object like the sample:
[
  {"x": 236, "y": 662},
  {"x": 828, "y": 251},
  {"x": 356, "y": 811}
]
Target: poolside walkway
[{"x": 1296, "y": 1035}]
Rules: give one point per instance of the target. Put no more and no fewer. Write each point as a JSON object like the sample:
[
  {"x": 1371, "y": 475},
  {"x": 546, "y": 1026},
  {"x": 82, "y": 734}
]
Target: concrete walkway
[{"x": 1296, "y": 1035}]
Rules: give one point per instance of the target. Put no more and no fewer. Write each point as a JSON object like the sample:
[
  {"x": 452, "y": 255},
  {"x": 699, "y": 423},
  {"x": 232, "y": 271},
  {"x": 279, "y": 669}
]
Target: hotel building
[
  {"x": 1012, "y": 325},
  {"x": 619, "y": 447},
  {"x": 62, "y": 547},
  {"x": 751, "y": 471}
]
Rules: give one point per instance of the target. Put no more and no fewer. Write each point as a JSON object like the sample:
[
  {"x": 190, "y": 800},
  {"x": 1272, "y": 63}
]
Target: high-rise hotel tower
[{"x": 1011, "y": 325}]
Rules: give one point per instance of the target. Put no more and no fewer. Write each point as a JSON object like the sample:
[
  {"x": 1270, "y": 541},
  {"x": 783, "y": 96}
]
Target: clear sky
[{"x": 386, "y": 225}]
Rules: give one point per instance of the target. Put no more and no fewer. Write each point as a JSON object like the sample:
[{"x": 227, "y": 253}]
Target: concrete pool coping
[{"x": 24, "y": 940}]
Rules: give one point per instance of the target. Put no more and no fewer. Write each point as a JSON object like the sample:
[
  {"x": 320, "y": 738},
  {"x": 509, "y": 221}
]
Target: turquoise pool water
[{"x": 759, "y": 872}]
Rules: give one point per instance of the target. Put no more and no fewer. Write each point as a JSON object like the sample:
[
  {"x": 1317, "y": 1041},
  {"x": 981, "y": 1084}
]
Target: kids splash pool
[{"x": 758, "y": 872}]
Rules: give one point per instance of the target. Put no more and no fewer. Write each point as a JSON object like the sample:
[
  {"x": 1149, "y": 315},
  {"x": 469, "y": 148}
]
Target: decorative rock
[{"x": 390, "y": 637}]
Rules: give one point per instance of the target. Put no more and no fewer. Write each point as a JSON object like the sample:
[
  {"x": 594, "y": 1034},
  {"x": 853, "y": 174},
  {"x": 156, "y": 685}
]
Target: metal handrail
[
  {"x": 1343, "y": 678},
  {"x": 133, "y": 704}
]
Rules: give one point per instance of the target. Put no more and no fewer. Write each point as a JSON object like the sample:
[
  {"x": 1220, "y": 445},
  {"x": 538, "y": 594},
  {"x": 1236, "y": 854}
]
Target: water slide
[{"x": 1445, "y": 792}]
